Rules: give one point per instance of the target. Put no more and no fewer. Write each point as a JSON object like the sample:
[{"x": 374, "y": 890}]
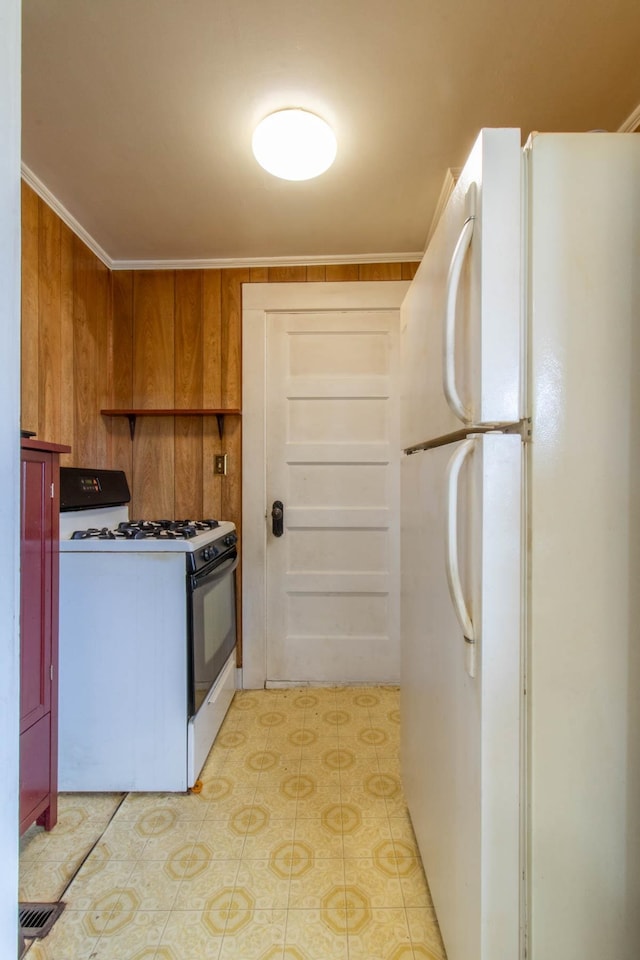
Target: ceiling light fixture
[{"x": 294, "y": 144}]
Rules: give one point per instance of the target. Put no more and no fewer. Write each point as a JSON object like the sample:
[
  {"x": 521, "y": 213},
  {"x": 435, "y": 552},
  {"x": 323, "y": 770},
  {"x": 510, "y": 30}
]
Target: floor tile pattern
[
  {"x": 49, "y": 861},
  {"x": 298, "y": 847}
]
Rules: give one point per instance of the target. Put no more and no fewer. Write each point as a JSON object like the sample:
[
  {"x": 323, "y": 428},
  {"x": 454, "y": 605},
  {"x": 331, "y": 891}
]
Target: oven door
[{"x": 211, "y": 611}]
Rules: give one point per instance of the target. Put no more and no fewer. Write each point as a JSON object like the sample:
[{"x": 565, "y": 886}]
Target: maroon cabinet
[{"x": 39, "y": 632}]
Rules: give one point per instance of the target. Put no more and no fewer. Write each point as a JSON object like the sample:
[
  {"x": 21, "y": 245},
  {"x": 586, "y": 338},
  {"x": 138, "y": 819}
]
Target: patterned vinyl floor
[{"x": 298, "y": 847}]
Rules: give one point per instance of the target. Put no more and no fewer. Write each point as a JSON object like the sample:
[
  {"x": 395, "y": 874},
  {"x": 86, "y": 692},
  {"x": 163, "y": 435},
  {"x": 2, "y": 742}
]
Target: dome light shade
[{"x": 294, "y": 144}]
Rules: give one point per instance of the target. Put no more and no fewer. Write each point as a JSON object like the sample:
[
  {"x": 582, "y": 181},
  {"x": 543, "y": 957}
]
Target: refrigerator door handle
[
  {"x": 451, "y": 540},
  {"x": 453, "y": 286}
]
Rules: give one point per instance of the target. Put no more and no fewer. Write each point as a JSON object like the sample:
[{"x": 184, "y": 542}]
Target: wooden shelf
[{"x": 131, "y": 415}]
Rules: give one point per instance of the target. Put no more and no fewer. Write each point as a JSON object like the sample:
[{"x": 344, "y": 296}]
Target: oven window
[{"x": 213, "y": 633}]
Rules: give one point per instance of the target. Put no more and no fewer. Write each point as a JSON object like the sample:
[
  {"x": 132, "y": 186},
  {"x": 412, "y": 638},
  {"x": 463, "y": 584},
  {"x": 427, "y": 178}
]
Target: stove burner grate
[{"x": 148, "y": 530}]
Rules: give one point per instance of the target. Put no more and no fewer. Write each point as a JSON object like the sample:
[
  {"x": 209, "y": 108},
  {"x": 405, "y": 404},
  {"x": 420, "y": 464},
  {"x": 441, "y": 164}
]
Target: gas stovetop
[
  {"x": 94, "y": 516},
  {"x": 110, "y": 530},
  {"x": 148, "y": 530}
]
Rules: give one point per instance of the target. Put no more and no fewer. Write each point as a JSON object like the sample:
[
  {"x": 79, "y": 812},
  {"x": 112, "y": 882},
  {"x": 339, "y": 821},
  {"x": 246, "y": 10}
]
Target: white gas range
[{"x": 147, "y": 639}]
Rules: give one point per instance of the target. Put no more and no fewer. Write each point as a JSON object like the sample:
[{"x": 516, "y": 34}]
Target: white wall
[
  {"x": 9, "y": 464},
  {"x": 584, "y": 653}
]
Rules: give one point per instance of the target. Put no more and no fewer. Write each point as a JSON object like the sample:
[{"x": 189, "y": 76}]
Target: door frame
[
  {"x": 258, "y": 300},
  {"x": 10, "y": 58}
]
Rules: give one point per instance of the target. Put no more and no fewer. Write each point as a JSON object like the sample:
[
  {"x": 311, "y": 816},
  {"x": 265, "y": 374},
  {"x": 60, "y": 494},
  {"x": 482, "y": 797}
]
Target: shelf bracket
[{"x": 131, "y": 417}]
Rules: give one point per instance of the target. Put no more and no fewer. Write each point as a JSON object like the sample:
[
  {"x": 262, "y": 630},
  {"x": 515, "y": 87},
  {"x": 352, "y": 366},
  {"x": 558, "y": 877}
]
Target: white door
[
  {"x": 333, "y": 462},
  {"x": 460, "y": 702},
  {"x": 461, "y": 320}
]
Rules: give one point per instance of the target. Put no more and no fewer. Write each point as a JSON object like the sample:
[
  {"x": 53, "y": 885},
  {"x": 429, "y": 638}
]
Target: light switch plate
[{"x": 220, "y": 465}]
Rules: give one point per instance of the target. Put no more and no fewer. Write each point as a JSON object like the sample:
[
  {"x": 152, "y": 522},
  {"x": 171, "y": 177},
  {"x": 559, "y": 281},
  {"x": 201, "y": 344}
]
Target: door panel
[
  {"x": 35, "y": 767},
  {"x": 350, "y": 550},
  {"x": 333, "y": 420},
  {"x": 360, "y": 354},
  {"x": 488, "y": 312},
  {"x": 461, "y": 733},
  {"x": 36, "y": 602},
  {"x": 332, "y": 459},
  {"x": 335, "y": 485}
]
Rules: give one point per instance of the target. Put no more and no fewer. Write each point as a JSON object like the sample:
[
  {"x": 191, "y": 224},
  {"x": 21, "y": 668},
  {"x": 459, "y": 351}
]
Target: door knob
[{"x": 277, "y": 518}]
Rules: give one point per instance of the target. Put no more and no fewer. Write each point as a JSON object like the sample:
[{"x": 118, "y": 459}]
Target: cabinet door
[
  {"x": 36, "y": 591},
  {"x": 35, "y": 770}
]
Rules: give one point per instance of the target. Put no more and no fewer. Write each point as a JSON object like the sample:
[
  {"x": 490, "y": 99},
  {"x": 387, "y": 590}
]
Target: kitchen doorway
[{"x": 320, "y": 436}]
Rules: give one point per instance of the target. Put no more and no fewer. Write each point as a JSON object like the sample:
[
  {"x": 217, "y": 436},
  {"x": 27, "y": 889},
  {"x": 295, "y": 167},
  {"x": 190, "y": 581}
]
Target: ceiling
[{"x": 138, "y": 114}]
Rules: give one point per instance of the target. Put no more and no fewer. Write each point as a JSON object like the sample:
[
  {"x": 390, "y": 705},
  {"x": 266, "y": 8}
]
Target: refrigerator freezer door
[
  {"x": 461, "y": 735},
  {"x": 461, "y": 319}
]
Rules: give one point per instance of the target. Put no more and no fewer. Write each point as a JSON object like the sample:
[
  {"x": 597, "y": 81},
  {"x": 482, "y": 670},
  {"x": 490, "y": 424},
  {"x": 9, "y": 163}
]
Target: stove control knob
[
  {"x": 230, "y": 540},
  {"x": 208, "y": 553}
]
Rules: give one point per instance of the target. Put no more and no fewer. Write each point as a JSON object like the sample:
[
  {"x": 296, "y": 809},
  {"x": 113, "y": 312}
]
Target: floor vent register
[{"x": 37, "y": 919}]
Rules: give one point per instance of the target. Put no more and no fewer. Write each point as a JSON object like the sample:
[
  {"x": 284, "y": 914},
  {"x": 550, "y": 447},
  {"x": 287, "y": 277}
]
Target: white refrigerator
[{"x": 520, "y": 596}]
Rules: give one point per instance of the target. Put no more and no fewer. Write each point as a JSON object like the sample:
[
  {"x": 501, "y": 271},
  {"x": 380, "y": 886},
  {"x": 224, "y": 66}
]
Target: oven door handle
[{"x": 216, "y": 572}]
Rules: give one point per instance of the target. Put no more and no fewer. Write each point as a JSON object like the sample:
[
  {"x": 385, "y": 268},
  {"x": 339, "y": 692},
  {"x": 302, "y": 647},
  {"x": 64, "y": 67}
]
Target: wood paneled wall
[
  {"x": 95, "y": 339},
  {"x": 66, "y": 336},
  {"x": 177, "y": 339}
]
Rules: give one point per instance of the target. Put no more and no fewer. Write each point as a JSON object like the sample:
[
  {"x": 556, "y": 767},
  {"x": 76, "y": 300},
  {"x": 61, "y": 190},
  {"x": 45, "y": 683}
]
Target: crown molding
[
  {"x": 214, "y": 264},
  {"x": 45, "y": 194},
  {"x": 239, "y": 262},
  {"x": 632, "y": 123}
]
